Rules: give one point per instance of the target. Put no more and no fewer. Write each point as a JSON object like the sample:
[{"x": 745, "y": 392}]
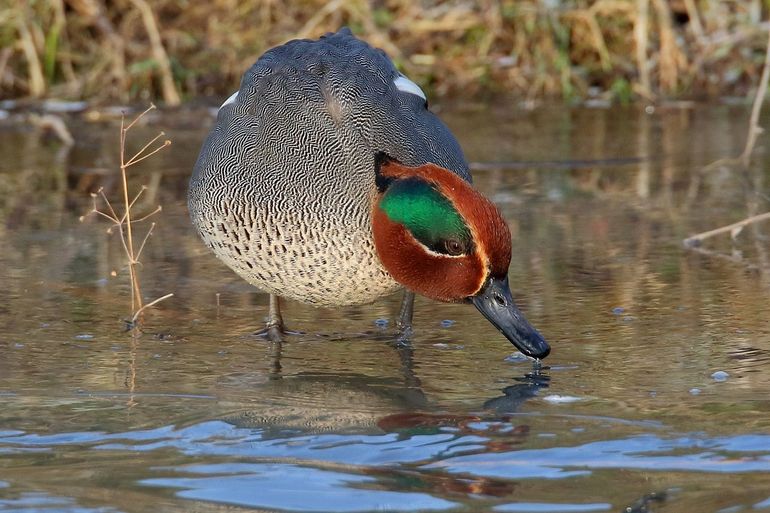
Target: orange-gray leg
[
  {"x": 404, "y": 323},
  {"x": 274, "y": 331}
]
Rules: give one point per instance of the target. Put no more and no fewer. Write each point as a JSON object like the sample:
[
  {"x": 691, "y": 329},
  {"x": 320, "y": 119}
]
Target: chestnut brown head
[{"x": 439, "y": 237}]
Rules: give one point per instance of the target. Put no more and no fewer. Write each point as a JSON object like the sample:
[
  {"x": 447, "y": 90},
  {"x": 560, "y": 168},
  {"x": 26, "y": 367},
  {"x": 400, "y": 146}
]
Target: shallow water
[{"x": 631, "y": 412}]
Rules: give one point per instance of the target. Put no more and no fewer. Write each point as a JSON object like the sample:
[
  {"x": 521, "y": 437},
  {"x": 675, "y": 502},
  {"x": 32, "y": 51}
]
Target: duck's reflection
[
  {"x": 347, "y": 404},
  {"x": 514, "y": 396},
  {"x": 344, "y": 402}
]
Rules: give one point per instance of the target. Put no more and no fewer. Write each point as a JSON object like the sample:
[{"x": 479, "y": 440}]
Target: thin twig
[
  {"x": 149, "y": 143},
  {"x": 145, "y": 217},
  {"x": 754, "y": 128},
  {"x": 734, "y": 229},
  {"x": 148, "y": 305},
  {"x": 107, "y": 202},
  {"x": 134, "y": 160},
  {"x": 99, "y": 212},
  {"x": 147, "y": 236},
  {"x": 123, "y": 129},
  {"x": 131, "y": 205}
]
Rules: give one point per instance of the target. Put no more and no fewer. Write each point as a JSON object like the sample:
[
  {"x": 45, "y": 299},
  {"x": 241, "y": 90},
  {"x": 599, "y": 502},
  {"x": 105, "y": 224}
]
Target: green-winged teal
[{"x": 327, "y": 180}]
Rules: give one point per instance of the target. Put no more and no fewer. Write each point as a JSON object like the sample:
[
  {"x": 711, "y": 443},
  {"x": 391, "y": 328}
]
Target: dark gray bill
[{"x": 494, "y": 301}]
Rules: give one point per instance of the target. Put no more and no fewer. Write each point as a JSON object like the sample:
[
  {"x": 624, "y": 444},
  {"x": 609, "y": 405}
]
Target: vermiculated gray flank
[{"x": 283, "y": 187}]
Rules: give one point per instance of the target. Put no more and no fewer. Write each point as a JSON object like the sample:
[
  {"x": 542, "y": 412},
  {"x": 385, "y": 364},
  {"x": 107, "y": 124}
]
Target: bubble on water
[
  {"x": 695, "y": 391},
  {"x": 446, "y": 323},
  {"x": 720, "y": 376},
  {"x": 561, "y": 399},
  {"x": 442, "y": 345},
  {"x": 618, "y": 310},
  {"x": 518, "y": 357},
  {"x": 381, "y": 323},
  {"x": 18, "y": 345},
  {"x": 84, "y": 336}
]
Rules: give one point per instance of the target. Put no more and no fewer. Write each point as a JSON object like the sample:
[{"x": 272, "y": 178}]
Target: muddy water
[{"x": 655, "y": 397}]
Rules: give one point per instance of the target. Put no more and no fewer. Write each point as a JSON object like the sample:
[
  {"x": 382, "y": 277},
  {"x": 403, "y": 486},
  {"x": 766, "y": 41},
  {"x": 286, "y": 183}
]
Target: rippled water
[{"x": 655, "y": 397}]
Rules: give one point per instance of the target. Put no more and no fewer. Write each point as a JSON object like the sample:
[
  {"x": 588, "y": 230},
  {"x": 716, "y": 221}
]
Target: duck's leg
[
  {"x": 404, "y": 323},
  {"x": 274, "y": 330}
]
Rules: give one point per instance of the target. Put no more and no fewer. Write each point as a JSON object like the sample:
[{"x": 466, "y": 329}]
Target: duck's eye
[{"x": 454, "y": 247}]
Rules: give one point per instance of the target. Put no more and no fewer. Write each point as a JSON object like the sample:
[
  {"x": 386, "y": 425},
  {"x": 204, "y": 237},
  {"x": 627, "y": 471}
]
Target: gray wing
[{"x": 335, "y": 100}]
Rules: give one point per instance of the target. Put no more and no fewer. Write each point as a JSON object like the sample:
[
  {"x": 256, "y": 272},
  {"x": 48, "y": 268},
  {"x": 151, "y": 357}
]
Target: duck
[{"x": 326, "y": 179}]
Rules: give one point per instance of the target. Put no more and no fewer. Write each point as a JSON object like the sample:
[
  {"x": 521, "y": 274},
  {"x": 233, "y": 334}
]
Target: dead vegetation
[
  {"x": 742, "y": 162},
  {"x": 617, "y": 49},
  {"x": 123, "y": 220}
]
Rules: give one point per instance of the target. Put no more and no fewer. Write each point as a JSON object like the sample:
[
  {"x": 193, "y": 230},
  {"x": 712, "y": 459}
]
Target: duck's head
[{"x": 439, "y": 237}]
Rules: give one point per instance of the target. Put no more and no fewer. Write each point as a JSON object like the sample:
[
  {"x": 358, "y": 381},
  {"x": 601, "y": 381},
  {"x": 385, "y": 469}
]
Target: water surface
[{"x": 655, "y": 397}]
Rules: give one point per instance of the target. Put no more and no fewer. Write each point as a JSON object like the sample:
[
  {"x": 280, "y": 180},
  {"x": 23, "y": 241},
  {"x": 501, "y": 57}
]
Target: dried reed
[
  {"x": 170, "y": 49},
  {"x": 743, "y": 160},
  {"x": 124, "y": 222}
]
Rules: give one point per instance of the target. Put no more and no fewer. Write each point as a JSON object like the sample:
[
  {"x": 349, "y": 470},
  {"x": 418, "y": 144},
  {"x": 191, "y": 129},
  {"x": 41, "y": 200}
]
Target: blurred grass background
[{"x": 177, "y": 50}]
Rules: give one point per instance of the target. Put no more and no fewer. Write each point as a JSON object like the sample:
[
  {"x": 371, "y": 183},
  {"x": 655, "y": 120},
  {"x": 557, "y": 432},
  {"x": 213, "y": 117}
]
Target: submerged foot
[{"x": 276, "y": 333}]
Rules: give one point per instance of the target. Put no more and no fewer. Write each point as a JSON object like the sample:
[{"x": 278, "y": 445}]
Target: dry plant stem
[
  {"x": 133, "y": 256},
  {"x": 136, "y": 295},
  {"x": 640, "y": 37},
  {"x": 754, "y": 128},
  {"x": 34, "y": 67},
  {"x": 744, "y": 159},
  {"x": 734, "y": 230},
  {"x": 170, "y": 94},
  {"x": 148, "y": 305},
  {"x": 125, "y": 221}
]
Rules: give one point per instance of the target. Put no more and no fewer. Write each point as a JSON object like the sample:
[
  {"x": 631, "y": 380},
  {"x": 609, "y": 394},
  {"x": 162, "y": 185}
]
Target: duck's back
[{"x": 283, "y": 187}]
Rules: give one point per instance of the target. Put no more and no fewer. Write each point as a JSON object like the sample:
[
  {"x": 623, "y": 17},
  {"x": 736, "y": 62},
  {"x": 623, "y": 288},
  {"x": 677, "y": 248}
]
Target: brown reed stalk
[
  {"x": 124, "y": 221},
  {"x": 744, "y": 159}
]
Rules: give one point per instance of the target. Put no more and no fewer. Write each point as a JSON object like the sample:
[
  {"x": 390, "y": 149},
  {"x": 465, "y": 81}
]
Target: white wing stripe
[
  {"x": 230, "y": 100},
  {"x": 404, "y": 84}
]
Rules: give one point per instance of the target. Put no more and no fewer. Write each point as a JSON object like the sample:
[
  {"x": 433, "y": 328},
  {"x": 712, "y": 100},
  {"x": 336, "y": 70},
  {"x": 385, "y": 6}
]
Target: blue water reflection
[
  {"x": 292, "y": 487},
  {"x": 337, "y": 472},
  {"x": 33, "y": 502},
  {"x": 646, "y": 452}
]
